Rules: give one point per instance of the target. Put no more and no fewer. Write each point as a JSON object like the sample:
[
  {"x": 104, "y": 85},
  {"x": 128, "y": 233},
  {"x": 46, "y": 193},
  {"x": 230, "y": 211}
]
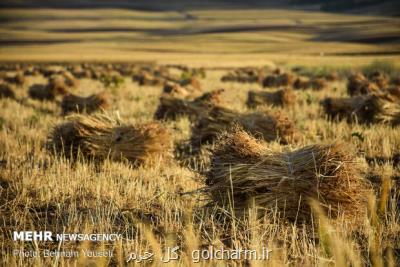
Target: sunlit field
[
  {"x": 112, "y": 121},
  {"x": 198, "y": 37}
]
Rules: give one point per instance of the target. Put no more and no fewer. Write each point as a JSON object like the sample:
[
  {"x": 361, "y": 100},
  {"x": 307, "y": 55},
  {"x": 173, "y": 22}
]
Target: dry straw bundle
[
  {"x": 358, "y": 84},
  {"x": 6, "y": 91},
  {"x": 147, "y": 79},
  {"x": 247, "y": 75},
  {"x": 100, "y": 137},
  {"x": 192, "y": 82},
  {"x": 46, "y": 92},
  {"x": 212, "y": 98},
  {"x": 302, "y": 83},
  {"x": 395, "y": 80},
  {"x": 17, "y": 79},
  {"x": 69, "y": 79},
  {"x": 317, "y": 84},
  {"x": 244, "y": 173},
  {"x": 278, "y": 80},
  {"x": 172, "y": 107},
  {"x": 331, "y": 76},
  {"x": 282, "y": 97},
  {"x": 393, "y": 93},
  {"x": 73, "y": 103},
  {"x": 173, "y": 89},
  {"x": 31, "y": 71},
  {"x": 363, "y": 109},
  {"x": 80, "y": 72},
  {"x": 266, "y": 125},
  {"x": 60, "y": 83},
  {"x": 379, "y": 78}
]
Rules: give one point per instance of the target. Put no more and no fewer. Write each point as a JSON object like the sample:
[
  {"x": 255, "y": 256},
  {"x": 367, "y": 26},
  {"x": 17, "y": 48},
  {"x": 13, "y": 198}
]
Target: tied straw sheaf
[
  {"x": 173, "y": 107},
  {"x": 245, "y": 173},
  {"x": 283, "y": 97},
  {"x": 101, "y": 137},
  {"x": 269, "y": 126},
  {"x": 73, "y": 103},
  {"x": 375, "y": 108}
]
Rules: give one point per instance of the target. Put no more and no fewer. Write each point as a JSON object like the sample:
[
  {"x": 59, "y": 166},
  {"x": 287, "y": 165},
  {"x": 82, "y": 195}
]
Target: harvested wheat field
[{"x": 209, "y": 133}]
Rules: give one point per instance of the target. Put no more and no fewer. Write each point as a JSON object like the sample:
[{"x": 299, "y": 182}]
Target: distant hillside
[
  {"x": 377, "y": 7},
  {"x": 145, "y": 5}
]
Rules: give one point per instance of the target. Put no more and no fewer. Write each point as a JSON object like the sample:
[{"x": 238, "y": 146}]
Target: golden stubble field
[
  {"x": 168, "y": 202},
  {"x": 198, "y": 37},
  {"x": 163, "y": 204}
]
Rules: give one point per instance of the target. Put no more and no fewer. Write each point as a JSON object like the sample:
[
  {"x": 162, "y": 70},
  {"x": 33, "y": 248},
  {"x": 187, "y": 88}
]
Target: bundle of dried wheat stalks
[
  {"x": 266, "y": 125},
  {"x": 283, "y": 97},
  {"x": 6, "y": 91},
  {"x": 376, "y": 108},
  {"x": 46, "y": 91},
  {"x": 73, "y": 103},
  {"x": 173, "y": 107},
  {"x": 245, "y": 173},
  {"x": 102, "y": 137}
]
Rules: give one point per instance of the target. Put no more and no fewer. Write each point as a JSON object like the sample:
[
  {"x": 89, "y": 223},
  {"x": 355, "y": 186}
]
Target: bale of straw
[
  {"x": 69, "y": 79},
  {"x": 380, "y": 78},
  {"x": 192, "y": 82},
  {"x": 367, "y": 88},
  {"x": 395, "y": 80},
  {"x": 358, "y": 84},
  {"x": 246, "y": 75},
  {"x": 80, "y": 72},
  {"x": 147, "y": 79},
  {"x": 278, "y": 80},
  {"x": 46, "y": 92},
  {"x": 267, "y": 126},
  {"x": 175, "y": 90},
  {"x": 100, "y": 137},
  {"x": 212, "y": 98},
  {"x": 57, "y": 83},
  {"x": 17, "y": 79},
  {"x": 277, "y": 71},
  {"x": 363, "y": 109},
  {"x": 355, "y": 81},
  {"x": 229, "y": 77},
  {"x": 31, "y": 71},
  {"x": 245, "y": 173},
  {"x": 332, "y": 76},
  {"x": 388, "y": 110},
  {"x": 319, "y": 84},
  {"x": 65, "y": 139},
  {"x": 73, "y": 103},
  {"x": 6, "y": 91},
  {"x": 41, "y": 92},
  {"x": 302, "y": 83},
  {"x": 393, "y": 93},
  {"x": 172, "y": 107},
  {"x": 137, "y": 144},
  {"x": 283, "y": 97},
  {"x": 49, "y": 71}
]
